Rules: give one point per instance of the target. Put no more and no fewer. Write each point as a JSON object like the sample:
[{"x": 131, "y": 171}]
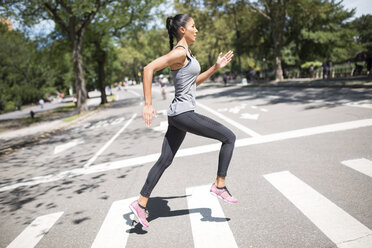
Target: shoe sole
[
  {"x": 136, "y": 214},
  {"x": 214, "y": 194}
]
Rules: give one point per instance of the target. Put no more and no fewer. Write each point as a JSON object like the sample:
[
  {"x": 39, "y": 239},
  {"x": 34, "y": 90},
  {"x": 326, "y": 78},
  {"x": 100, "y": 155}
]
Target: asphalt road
[{"x": 301, "y": 171}]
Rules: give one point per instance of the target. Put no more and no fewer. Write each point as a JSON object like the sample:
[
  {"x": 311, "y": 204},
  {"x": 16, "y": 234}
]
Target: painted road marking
[
  {"x": 99, "y": 124},
  {"x": 360, "y": 104},
  {"x": 113, "y": 232},
  {"x": 109, "y": 142},
  {"x": 232, "y": 122},
  {"x": 249, "y": 116},
  {"x": 162, "y": 127},
  {"x": 362, "y": 165},
  {"x": 335, "y": 223},
  {"x": 208, "y": 222},
  {"x": 191, "y": 151},
  {"x": 134, "y": 93},
  {"x": 234, "y": 110},
  {"x": 344, "y": 126},
  {"x": 35, "y": 231},
  {"x": 261, "y": 109},
  {"x": 162, "y": 112},
  {"x": 68, "y": 145}
]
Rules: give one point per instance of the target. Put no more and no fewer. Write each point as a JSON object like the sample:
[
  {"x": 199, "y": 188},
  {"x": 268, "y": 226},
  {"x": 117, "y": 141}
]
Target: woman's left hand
[{"x": 223, "y": 61}]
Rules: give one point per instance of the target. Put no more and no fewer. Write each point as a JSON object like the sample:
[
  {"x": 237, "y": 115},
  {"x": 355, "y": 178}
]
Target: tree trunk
[
  {"x": 278, "y": 59},
  {"x": 101, "y": 60},
  {"x": 237, "y": 33},
  {"x": 278, "y": 14},
  {"x": 81, "y": 92},
  {"x": 210, "y": 60}
]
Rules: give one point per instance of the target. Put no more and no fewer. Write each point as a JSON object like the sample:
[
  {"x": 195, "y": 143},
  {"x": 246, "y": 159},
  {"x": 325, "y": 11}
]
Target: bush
[{"x": 9, "y": 106}]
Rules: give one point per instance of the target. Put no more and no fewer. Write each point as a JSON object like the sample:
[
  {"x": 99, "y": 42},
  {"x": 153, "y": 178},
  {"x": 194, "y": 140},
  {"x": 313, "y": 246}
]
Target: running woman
[{"x": 181, "y": 116}]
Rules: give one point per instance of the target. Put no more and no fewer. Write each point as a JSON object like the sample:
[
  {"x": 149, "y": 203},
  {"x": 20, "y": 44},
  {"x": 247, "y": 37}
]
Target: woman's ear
[{"x": 182, "y": 30}]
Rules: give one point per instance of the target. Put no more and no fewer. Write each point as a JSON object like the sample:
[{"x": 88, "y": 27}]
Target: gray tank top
[{"x": 185, "y": 86}]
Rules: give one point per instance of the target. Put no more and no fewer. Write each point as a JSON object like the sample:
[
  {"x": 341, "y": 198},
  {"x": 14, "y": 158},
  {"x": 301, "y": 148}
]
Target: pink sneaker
[
  {"x": 140, "y": 212},
  {"x": 223, "y": 194}
]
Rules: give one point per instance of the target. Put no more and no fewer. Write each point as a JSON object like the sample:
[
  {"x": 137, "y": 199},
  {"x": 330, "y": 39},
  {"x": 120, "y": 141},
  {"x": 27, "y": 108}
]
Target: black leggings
[{"x": 177, "y": 128}]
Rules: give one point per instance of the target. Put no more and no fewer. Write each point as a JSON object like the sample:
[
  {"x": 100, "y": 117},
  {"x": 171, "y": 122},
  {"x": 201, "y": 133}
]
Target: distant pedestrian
[
  {"x": 358, "y": 69},
  {"x": 224, "y": 77},
  {"x": 181, "y": 115},
  {"x": 311, "y": 71},
  {"x": 163, "y": 81},
  {"x": 253, "y": 74},
  {"x": 325, "y": 70},
  {"x": 41, "y": 103},
  {"x": 368, "y": 61}
]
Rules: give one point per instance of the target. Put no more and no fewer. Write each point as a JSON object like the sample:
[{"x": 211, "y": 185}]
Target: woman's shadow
[{"x": 158, "y": 207}]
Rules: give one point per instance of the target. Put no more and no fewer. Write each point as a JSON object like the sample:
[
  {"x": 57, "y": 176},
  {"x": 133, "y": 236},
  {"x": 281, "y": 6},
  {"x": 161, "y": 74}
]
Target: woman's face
[{"x": 190, "y": 31}]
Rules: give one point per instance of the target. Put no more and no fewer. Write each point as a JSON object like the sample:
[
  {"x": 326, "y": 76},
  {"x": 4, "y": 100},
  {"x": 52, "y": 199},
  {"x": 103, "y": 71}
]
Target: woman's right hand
[{"x": 147, "y": 112}]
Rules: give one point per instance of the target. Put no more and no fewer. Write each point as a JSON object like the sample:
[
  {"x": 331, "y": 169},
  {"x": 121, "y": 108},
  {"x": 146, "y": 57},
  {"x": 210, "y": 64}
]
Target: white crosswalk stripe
[
  {"x": 163, "y": 127},
  {"x": 91, "y": 160},
  {"x": 64, "y": 147},
  {"x": 362, "y": 165},
  {"x": 344, "y": 230},
  {"x": 208, "y": 222},
  {"x": 230, "y": 121},
  {"x": 113, "y": 232},
  {"x": 35, "y": 231}
]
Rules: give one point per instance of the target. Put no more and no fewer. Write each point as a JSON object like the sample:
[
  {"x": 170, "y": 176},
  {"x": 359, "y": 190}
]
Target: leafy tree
[
  {"x": 72, "y": 18},
  {"x": 363, "y": 25},
  {"x": 141, "y": 49},
  {"x": 22, "y": 66},
  {"x": 317, "y": 30},
  {"x": 275, "y": 12},
  {"x": 124, "y": 19},
  {"x": 214, "y": 25}
]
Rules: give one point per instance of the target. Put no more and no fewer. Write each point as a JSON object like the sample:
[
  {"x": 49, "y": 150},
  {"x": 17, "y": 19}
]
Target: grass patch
[
  {"x": 66, "y": 108},
  {"x": 2, "y": 130},
  {"x": 111, "y": 98},
  {"x": 71, "y": 118},
  {"x": 74, "y": 117},
  {"x": 30, "y": 120},
  {"x": 358, "y": 83}
]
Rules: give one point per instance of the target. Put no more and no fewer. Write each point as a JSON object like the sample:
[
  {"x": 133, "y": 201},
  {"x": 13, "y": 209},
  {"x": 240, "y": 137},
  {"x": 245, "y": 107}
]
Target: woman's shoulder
[{"x": 178, "y": 54}]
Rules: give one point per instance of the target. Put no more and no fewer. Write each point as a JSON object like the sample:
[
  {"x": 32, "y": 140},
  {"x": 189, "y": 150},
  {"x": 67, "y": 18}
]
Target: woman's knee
[
  {"x": 230, "y": 138},
  {"x": 167, "y": 160}
]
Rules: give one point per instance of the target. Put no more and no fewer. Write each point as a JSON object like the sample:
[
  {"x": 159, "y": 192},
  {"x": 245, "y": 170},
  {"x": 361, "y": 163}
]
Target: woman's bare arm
[
  {"x": 176, "y": 56},
  {"x": 221, "y": 63}
]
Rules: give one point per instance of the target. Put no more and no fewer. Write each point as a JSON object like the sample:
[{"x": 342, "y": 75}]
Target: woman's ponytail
[
  {"x": 169, "y": 26},
  {"x": 173, "y": 23}
]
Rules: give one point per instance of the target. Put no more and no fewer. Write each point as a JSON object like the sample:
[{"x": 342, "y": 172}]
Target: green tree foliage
[
  {"x": 215, "y": 34},
  {"x": 267, "y": 33},
  {"x": 124, "y": 19},
  {"x": 363, "y": 26},
  {"x": 25, "y": 72},
  {"x": 59, "y": 57},
  {"x": 137, "y": 52},
  {"x": 317, "y": 31},
  {"x": 72, "y": 18}
]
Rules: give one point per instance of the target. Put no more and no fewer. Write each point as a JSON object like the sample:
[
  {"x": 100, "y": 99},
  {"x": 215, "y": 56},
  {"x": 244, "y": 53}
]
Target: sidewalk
[{"x": 17, "y": 138}]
